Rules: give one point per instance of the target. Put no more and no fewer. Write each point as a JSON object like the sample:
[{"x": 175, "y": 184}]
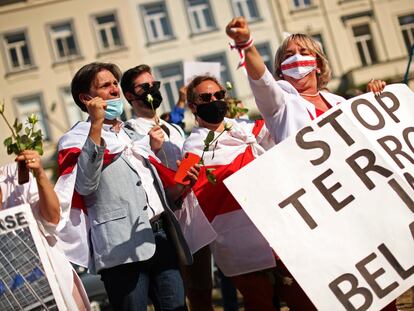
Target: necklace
[{"x": 310, "y": 95}]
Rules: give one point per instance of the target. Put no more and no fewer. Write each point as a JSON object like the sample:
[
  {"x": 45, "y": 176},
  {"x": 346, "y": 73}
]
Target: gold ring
[{"x": 33, "y": 160}]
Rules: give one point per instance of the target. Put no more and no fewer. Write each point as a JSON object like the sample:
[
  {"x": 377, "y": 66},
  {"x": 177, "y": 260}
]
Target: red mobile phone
[{"x": 189, "y": 160}]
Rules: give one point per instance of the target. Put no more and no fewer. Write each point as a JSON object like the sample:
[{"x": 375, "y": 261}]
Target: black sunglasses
[
  {"x": 147, "y": 86},
  {"x": 206, "y": 97}
]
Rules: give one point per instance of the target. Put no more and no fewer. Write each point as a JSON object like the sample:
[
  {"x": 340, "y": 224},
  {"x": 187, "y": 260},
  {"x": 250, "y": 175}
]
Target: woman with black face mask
[{"x": 239, "y": 250}]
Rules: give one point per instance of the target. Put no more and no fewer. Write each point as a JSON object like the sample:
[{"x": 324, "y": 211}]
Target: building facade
[
  {"x": 363, "y": 39},
  {"x": 44, "y": 42}
]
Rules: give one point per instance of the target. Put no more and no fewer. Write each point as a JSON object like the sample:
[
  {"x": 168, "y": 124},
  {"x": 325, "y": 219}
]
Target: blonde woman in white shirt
[
  {"x": 289, "y": 100},
  {"x": 295, "y": 95}
]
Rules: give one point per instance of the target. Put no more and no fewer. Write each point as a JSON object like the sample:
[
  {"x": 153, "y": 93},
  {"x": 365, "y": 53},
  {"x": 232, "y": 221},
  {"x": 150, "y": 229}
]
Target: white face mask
[{"x": 298, "y": 66}]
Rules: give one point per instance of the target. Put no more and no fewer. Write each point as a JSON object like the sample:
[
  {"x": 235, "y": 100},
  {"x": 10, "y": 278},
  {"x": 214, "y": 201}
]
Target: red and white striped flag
[
  {"x": 74, "y": 225},
  {"x": 237, "y": 237}
]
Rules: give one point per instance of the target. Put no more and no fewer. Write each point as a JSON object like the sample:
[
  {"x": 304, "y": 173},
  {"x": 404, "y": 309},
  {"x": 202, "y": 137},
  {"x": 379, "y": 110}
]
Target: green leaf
[
  {"x": 18, "y": 127},
  {"x": 39, "y": 149},
  {"x": 209, "y": 138},
  {"x": 27, "y": 130},
  {"x": 22, "y": 146},
  {"x": 24, "y": 139},
  {"x": 8, "y": 141},
  {"x": 210, "y": 176},
  {"x": 14, "y": 149}
]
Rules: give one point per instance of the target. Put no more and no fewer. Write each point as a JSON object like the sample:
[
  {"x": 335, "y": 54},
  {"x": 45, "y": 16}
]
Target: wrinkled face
[{"x": 105, "y": 86}]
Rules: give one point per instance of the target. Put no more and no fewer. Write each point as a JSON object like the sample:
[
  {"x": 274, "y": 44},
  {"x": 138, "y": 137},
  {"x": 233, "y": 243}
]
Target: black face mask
[
  {"x": 212, "y": 112},
  {"x": 156, "y": 98}
]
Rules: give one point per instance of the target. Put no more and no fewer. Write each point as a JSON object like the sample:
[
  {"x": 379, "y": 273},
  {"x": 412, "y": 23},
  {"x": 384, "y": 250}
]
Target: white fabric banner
[
  {"x": 27, "y": 278},
  {"x": 336, "y": 201}
]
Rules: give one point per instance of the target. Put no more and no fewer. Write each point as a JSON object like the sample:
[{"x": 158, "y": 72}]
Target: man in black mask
[{"x": 143, "y": 93}]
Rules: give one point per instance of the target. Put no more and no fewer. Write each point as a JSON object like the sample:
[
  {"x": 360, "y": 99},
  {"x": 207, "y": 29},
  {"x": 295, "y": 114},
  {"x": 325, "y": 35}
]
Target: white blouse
[{"x": 283, "y": 109}]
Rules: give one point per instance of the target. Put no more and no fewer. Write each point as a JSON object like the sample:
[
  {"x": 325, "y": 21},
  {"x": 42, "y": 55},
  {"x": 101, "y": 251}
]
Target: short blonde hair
[{"x": 314, "y": 47}]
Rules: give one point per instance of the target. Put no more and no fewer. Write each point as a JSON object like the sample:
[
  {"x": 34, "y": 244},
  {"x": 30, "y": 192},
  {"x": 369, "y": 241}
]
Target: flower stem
[{"x": 10, "y": 127}]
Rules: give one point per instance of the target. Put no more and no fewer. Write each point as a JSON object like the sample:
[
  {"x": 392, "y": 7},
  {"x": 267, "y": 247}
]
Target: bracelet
[
  {"x": 240, "y": 47},
  {"x": 243, "y": 45}
]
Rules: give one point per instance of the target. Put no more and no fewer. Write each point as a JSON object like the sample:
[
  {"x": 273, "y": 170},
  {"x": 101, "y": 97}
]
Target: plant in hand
[
  {"x": 27, "y": 138},
  {"x": 212, "y": 140}
]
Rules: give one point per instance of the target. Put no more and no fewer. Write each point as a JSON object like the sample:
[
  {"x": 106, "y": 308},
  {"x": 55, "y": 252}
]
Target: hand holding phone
[{"x": 189, "y": 160}]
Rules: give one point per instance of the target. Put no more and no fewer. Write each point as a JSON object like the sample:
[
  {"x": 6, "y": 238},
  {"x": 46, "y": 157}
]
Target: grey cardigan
[{"x": 120, "y": 230}]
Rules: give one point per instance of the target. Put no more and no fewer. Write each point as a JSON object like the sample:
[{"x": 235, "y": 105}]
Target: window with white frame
[
  {"x": 17, "y": 51},
  {"x": 156, "y": 21},
  {"x": 407, "y": 29},
  {"x": 200, "y": 15},
  {"x": 28, "y": 105},
  {"x": 365, "y": 44},
  {"x": 266, "y": 53},
  {"x": 73, "y": 112},
  {"x": 246, "y": 8},
  {"x": 63, "y": 41},
  {"x": 171, "y": 77},
  {"x": 108, "y": 32},
  {"x": 302, "y": 4}
]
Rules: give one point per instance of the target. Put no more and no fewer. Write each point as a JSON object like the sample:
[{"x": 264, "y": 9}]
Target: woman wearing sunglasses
[{"x": 239, "y": 250}]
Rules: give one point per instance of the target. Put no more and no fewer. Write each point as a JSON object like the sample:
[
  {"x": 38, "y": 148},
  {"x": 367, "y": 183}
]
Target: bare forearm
[{"x": 49, "y": 206}]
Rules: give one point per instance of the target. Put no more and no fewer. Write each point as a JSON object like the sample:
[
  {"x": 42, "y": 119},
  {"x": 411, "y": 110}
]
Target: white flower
[
  {"x": 227, "y": 126},
  {"x": 149, "y": 98},
  {"x": 229, "y": 86}
]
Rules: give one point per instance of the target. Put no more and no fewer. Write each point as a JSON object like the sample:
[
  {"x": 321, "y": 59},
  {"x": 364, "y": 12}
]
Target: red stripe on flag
[
  {"x": 67, "y": 159},
  {"x": 166, "y": 174},
  {"x": 258, "y": 125},
  {"x": 298, "y": 64},
  {"x": 216, "y": 199}
]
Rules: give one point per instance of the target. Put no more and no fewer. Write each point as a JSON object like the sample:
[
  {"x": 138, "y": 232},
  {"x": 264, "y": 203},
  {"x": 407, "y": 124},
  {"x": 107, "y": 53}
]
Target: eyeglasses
[
  {"x": 206, "y": 97},
  {"x": 147, "y": 86}
]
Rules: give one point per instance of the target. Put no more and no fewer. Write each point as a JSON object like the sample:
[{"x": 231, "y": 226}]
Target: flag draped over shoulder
[
  {"x": 73, "y": 227},
  {"x": 237, "y": 237}
]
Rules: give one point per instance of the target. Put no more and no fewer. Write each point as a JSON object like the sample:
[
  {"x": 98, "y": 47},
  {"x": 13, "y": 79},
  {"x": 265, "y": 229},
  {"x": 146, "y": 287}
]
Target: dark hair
[
  {"x": 191, "y": 93},
  {"x": 127, "y": 80},
  {"x": 82, "y": 81}
]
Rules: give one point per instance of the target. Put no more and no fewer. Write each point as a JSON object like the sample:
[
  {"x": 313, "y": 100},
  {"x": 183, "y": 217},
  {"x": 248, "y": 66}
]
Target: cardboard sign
[
  {"x": 27, "y": 280},
  {"x": 336, "y": 201},
  {"x": 193, "y": 69}
]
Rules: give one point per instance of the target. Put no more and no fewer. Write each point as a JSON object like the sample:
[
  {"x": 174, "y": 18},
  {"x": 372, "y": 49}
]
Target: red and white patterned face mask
[{"x": 298, "y": 66}]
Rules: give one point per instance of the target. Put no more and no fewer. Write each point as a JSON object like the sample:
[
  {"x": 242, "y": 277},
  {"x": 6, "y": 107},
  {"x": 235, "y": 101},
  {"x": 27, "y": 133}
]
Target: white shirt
[
  {"x": 155, "y": 206},
  {"x": 283, "y": 109},
  {"x": 171, "y": 148}
]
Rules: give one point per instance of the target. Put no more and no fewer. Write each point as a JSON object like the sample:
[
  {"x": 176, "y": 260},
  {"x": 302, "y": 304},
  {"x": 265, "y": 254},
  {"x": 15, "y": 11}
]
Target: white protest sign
[
  {"x": 336, "y": 201},
  {"x": 193, "y": 69},
  {"x": 27, "y": 279}
]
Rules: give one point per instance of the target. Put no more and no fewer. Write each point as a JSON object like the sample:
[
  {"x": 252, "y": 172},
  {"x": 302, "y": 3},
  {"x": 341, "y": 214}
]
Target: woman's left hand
[
  {"x": 376, "y": 86},
  {"x": 32, "y": 159}
]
